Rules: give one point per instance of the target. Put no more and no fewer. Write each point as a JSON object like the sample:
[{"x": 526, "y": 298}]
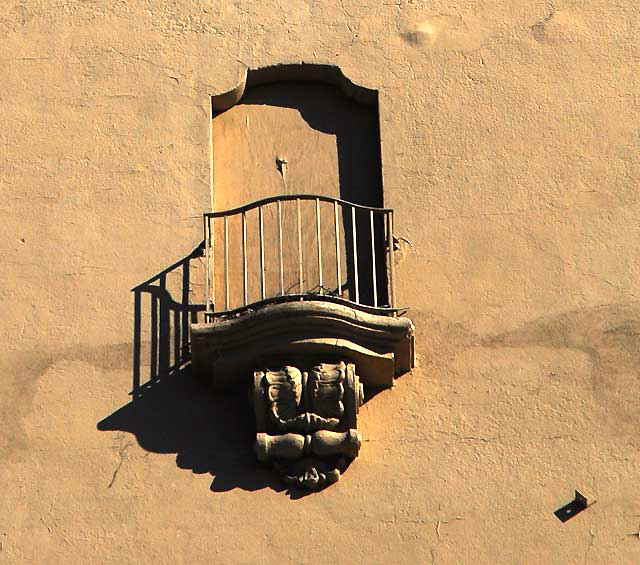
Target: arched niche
[
  {"x": 298, "y": 129},
  {"x": 323, "y": 125}
]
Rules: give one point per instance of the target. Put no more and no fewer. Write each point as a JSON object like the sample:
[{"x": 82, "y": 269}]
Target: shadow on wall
[
  {"x": 208, "y": 434},
  {"x": 171, "y": 412}
]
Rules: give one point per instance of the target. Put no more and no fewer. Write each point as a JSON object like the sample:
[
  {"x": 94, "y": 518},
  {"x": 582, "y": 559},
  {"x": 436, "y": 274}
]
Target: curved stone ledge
[{"x": 226, "y": 351}]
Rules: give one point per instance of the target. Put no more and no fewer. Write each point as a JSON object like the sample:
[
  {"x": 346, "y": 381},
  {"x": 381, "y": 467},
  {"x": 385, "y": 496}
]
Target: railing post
[
  {"x": 390, "y": 244},
  {"x": 262, "y": 273},
  {"x": 355, "y": 254},
  {"x": 245, "y": 286},
  {"x": 207, "y": 254},
  {"x": 212, "y": 262},
  {"x": 300, "y": 271},
  {"x": 373, "y": 260},
  {"x": 319, "y": 245},
  {"x": 337, "y": 230},
  {"x": 226, "y": 263},
  {"x": 280, "y": 248}
]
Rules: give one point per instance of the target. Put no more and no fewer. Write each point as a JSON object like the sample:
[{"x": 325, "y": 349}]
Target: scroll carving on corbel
[{"x": 306, "y": 421}]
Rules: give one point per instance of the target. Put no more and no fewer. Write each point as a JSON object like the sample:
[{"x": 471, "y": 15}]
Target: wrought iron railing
[{"x": 298, "y": 247}]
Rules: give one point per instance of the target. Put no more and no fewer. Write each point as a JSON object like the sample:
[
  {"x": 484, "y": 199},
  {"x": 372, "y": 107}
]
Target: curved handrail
[
  {"x": 287, "y": 197},
  {"x": 355, "y": 228}
]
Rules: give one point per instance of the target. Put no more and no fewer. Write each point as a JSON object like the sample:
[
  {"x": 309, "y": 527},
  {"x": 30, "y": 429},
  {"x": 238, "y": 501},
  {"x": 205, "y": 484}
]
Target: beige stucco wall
[{"x": 510, "y": 153}]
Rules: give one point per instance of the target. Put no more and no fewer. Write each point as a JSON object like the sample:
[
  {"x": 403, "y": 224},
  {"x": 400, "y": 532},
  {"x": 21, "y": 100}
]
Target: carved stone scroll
[{"x": 306, "y": 422}]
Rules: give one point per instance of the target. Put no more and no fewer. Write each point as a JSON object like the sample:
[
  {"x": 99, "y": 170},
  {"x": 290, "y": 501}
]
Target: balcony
[{"x": 296, "y": 276}]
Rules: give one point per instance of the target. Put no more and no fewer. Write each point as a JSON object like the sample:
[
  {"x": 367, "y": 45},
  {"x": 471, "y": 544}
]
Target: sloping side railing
[{"x": 298, "y": 247}]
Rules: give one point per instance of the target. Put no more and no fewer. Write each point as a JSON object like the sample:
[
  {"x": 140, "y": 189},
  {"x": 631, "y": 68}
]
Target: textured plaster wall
[{"x": 510, "y": 153}]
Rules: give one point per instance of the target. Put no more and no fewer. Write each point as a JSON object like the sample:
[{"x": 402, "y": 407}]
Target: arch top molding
[{"x": 294, "y": 72}]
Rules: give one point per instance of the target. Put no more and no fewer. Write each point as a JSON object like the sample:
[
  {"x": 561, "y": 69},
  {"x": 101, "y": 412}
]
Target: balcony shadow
[
  {"x": 170, "y": 411},
  {"x": 208, "y": 433}
]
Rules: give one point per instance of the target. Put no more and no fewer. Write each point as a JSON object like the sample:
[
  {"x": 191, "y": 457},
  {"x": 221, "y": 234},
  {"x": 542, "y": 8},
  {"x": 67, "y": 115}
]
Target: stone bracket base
[{"x": 307, "y": 421}]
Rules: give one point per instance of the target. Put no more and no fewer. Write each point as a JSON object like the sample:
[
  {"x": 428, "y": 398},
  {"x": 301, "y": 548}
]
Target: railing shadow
[{"x": 168, "y": 321}]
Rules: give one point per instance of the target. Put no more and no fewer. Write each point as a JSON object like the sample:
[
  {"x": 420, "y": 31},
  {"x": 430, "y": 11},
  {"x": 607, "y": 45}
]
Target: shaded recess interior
[{"x": 301, "y": 129}]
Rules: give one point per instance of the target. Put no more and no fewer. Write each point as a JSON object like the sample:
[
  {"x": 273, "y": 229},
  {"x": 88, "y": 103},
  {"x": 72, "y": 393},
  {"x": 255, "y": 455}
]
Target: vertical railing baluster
[
  {"x": 337, "y": 230},
  {"x": 373, "y": 260},
  {"x": 355, "y": 253},
  {"x": 300, "y": 273},
  {"x": 245, "y": 286},
  {"x": 212, "y": 261},
  {"x": 262, "y": 273},
  {"x": 390, "y": 244},
  {"x": 319, "y": 246},
  {"x": 280, "y": 247},
  {"x": 207, "y": 253},
  {"x": 226, "y": 263}
]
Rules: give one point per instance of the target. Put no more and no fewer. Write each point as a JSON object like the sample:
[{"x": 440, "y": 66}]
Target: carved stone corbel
[
  {"x": 306, "y": 422},
  {"x": 306, "y": 408}
]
